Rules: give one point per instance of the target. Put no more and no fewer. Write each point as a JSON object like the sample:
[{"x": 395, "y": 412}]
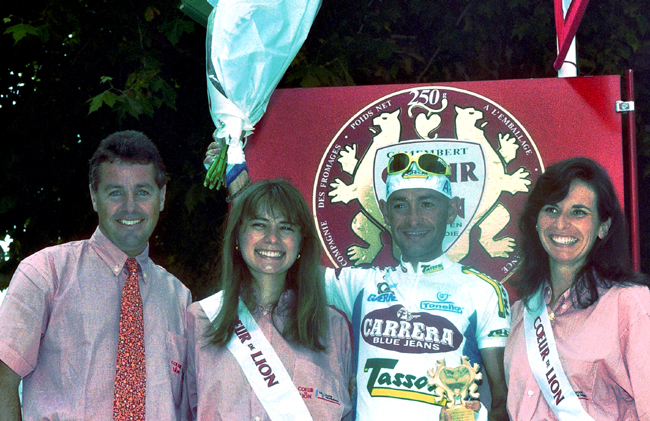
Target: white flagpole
[{"x": 570, "y": 64}]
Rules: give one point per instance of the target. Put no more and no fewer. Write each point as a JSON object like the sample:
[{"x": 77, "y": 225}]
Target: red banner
[{"x": 498, "y": 136}]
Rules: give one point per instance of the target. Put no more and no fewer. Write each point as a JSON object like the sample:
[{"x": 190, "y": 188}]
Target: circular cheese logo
[{"x": 493, "y": 159}]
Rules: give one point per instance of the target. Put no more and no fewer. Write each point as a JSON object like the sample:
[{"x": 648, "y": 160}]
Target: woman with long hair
[
  {"x": 579, "y": 337},
  {"x": 267, "y": 347}
]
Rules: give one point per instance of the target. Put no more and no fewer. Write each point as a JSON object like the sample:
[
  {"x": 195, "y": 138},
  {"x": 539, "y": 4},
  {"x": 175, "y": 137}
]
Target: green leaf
[
  {"x": 20, "y": 31},
  {"x": 168, "y": 95},
  {"x": 150, "y": 13},
  {"x": 95, "y": 103},
  {"x": 176, "y": 31},
  {"x": 107, "y": 97},
  {"x": 136, "y": 106},
  {"x": 310, "y": 81}
]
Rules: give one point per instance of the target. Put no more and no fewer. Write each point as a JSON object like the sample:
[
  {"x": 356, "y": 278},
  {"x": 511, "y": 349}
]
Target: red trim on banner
[
  {"x": 632, "y": 193},
  {"x": 566, "y": 28}
]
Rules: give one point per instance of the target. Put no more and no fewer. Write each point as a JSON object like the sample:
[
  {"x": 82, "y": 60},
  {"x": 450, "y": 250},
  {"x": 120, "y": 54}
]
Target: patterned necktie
[{"x": 130, "y": 375}]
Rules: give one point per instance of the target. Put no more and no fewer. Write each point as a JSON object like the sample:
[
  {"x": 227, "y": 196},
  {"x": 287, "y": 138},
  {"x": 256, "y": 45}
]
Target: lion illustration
[
  {"x": 491, "y": 216},
  {"x": 368, "y": 224}
]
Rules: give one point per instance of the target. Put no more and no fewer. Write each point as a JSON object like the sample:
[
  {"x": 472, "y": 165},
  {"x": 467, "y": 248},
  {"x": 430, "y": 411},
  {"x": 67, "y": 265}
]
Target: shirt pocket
[
  {"x": 321, "y": 390},
  {"x": 176, "y": 353},
  {"x": 582, "y": 375}
]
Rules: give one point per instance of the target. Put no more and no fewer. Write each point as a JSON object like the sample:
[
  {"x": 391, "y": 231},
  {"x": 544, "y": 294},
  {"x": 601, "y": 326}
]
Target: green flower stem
[{"x": 216, "y": 176}]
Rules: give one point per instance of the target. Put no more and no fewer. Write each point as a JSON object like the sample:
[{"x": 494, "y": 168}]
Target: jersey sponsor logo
[
  {"x": 384, "y": 294},
  {"x": 404, "y": 314},
  {"x": 440, "y": 306},
  {"x": 500, "y": 333},
  {"x": 386, "y": 382},
  {"x": 397, "y": 329},
  {"x": 382, "y": 298},
  {"x": 383, "y": 288},
  {"x": 427, "y": 269}
]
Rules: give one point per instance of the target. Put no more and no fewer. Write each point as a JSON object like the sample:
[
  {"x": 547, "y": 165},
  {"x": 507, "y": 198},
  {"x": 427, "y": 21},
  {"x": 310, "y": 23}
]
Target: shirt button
[
  {"x": 564, "y": 306},
  {"x": 530, "y": 393},
  {"x": 257, "y": 418}
]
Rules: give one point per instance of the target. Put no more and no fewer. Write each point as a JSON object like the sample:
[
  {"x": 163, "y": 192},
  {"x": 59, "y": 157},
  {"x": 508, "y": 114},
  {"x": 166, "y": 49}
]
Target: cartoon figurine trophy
[{"x": 452, "y": 386}]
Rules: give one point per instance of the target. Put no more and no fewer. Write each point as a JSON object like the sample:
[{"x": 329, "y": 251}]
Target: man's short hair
[{"x": 129, "y": 147}]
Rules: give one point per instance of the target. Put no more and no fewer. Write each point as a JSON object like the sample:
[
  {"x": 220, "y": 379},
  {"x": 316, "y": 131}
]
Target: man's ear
[
  {"x": 162, "y": 197},
  {"x": 454, "y": 209},
  {"x": 383, "y": 207},
  {"x": 92, "y": 197}
]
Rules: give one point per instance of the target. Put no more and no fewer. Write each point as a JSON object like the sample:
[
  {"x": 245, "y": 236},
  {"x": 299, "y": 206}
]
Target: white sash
[
  {"x": 261, "y": 365},
  {"x": 545, "y": 362}
]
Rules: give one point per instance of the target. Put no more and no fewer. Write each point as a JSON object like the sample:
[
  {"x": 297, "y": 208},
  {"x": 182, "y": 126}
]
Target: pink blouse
[
  {"x": 218, "y": 390},
  {"x": 604, "y": 352}
]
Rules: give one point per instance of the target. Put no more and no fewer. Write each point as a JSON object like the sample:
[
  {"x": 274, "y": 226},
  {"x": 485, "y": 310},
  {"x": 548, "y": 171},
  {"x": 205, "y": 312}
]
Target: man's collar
[
  {"x": 425, "y": 268},
  {"x": 112, "y": 255}
]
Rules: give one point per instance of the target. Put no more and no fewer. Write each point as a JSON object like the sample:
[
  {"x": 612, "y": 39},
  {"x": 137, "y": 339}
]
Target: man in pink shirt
[{"x": 60, "y": 321}]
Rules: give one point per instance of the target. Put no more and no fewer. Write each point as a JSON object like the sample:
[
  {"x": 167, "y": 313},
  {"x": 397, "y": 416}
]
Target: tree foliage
[{"x": 78, "y": 70}]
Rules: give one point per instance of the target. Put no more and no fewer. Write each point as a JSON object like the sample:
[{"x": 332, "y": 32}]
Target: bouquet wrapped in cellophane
[{"x": 249, "y": 45}]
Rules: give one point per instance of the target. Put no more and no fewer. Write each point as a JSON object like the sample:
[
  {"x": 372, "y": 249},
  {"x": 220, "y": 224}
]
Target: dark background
[{"x": 141, "y": 65}]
